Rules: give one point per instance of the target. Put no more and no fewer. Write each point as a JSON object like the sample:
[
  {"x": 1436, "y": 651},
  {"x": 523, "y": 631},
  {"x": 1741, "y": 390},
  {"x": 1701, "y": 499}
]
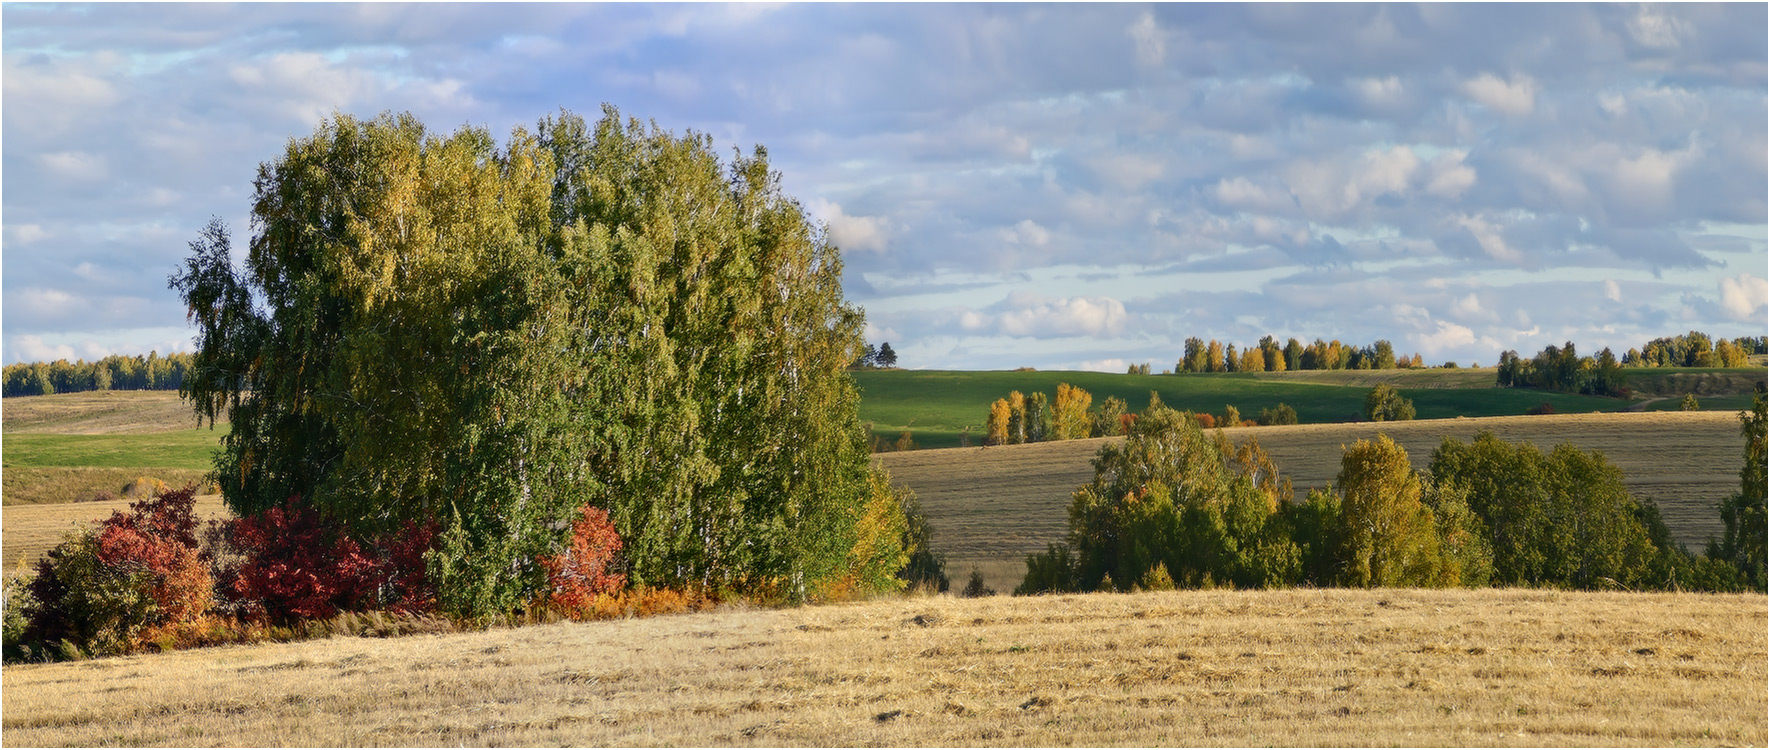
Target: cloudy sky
[{"x": 1060, "y": 186}]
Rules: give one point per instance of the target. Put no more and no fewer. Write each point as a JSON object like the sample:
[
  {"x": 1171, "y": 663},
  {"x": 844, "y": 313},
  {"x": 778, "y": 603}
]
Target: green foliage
[
  {"x": 1109, "y": 418},
  {"x": 1689, "y": 403},
  {"x": 488, "y": 335},
  {"x": 1167, "y": 495},
  {"x": 115, "y": 372},
  {"x": 1388, "y": 536},
  {"x": 1316, "y": 529},
  {"x": 18, "y": 605},
  {"x": 81, "y": 601},
  {"x": 1279, "y": 415},
  {"x": 975, "y": 588},
  {"x": 1385, "y": 404},
  {"x": 1562, "y": 518},
  {"x": 1742, "y": 515},
  {"x": 926, "y": 569},
  {"x": 1050, "y": 572}
]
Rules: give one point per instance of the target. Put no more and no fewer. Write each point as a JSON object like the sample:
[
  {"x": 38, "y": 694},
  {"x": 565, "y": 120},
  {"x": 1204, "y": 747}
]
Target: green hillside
[{"x": 937, "y": 406}]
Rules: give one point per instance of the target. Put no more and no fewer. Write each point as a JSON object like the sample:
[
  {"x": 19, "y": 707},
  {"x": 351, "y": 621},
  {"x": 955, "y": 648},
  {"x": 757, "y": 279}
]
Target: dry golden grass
[
  {"x": 98, "y": 413},
  {"x": 1305, "y": 667},
  {"x": 990, "y": 507},
  {"x": 31, "y": 530},
  {"x": 34, "y": 485}
]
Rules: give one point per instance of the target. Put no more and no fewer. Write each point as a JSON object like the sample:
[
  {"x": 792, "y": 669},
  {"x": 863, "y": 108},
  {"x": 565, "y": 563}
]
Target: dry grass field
[
  {"x": 97, "y": 413},
  {"x": 31, "y": 530},
  {"x": 1305, "y": 667},
  {"x": 990, "y": 507}
]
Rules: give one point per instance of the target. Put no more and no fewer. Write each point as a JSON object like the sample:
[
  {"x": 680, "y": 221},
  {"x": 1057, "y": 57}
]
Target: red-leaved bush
[
  {"x": 298, "y": 565},
  {"x": 584, "y": 571},
  {"x": 138, "y": 569}
]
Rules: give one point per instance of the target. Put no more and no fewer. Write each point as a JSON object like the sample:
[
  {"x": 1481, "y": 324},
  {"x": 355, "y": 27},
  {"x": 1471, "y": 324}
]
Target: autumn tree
[
  {"x": 1252, "y": 360},
  {"x": 1016, "y": 418},
  {"x": 1196, "y": 358},
  {"x": 439, "y": 326},
  {"x": 1038, "y": 418},
  {"x": 1214, "y": 356},
  {"x": 1272, "y": 355},
  {"x": 1069, "y": 413},
  {"x": 996, "y": 426}
]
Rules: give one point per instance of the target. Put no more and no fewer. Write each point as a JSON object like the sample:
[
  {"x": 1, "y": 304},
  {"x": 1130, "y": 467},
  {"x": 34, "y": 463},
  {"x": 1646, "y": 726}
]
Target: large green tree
[{"x": 442, "y": 327}]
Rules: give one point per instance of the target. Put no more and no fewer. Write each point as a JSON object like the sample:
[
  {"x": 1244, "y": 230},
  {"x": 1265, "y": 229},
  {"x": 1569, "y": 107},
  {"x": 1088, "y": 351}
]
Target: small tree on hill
[
  {"x": 1385, "y": 404},
  {"x": 887, "y": 357}
]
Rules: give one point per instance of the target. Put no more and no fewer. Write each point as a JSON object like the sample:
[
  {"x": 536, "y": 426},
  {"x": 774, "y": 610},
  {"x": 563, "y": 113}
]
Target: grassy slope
[
  {"x": 1211, "y": 668},
  {"x": 938, "y": 405}
]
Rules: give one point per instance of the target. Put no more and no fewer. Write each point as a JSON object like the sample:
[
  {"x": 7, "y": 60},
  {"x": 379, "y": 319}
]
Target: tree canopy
[{"x": 441, "y": 327}]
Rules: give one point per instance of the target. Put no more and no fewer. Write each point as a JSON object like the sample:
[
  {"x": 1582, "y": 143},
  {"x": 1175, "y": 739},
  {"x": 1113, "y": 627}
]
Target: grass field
[
  {"x": 990, "y": 507},
  {"x": 1304, "y": 667},
  {"x": 944, "y": 409}
]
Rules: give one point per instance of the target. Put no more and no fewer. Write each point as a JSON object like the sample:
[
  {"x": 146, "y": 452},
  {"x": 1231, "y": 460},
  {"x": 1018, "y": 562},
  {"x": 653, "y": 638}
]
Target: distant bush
[
  {"x": 1279, "y": 415},
  {"x": 1689, "y": 403},
  {"x": 975, "y": 587},
  {"x": 1385, "y": 404},
  {"x": 1541, "y": 409},
  {"x": 926, "y": 569}
]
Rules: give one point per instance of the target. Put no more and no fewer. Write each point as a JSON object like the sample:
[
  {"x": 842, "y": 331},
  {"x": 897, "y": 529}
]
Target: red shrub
[
  {"x": 577, "y": 576},
  {"x": 1205, "y": 421},
  {"x": 1125, "y": 423},
  {"x": 407, "y": 587},
  {"x": 299, "y": 565}
]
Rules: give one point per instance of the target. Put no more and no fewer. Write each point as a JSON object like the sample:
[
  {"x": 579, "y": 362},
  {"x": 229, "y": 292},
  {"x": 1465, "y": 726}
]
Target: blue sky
[{"x": 1058, "y": 186}]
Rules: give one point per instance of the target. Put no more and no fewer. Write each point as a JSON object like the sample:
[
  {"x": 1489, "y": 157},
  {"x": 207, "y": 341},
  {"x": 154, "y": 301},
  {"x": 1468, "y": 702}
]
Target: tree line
[
  {"x": 1072, "y": 415},
  {"x": 1268, "y": 356},
  {"x": 120, "y": 372},
  {"x": 1562, "y": 369},
  {"x": 1171, "y": 507}
]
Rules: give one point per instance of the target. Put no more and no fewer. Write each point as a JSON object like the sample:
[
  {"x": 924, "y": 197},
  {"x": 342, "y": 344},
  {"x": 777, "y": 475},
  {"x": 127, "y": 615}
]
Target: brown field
[
  {"x": 33, "y": 485},
  {"x": 990, "y": 507},
  {"x": 1303, "y": 667},
  {"x": 97, "y": 413},
  {"x": 31, "y": 530}
]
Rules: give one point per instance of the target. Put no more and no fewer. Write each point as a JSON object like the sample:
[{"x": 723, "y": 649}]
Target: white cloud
[
  {"x": 29, "y": 348},
  {"x": 26, "y": 234},
  {"x": 1468, "y": 306},
  {"x": 1146, "y": 39},
  {"x": 1032, "y": 316},
  {"x": 1112, "y": 364},
  {"x": 1450, "y": 176},
  {"x": 1744, "y": 296},
  {"x": 1380, "y": 92},
  {"x": 1488, "y": 237},
  {"x": 1515, "y": 97},
  {"x": 1612, "y": 291},
  {"x": 76, "y": 166},
  {"x": 1026, "y": 232},
  {"x": 47, "y": 303},
  {"x": 1651, "y": 27},
  {"x": 855, "y": 233}
]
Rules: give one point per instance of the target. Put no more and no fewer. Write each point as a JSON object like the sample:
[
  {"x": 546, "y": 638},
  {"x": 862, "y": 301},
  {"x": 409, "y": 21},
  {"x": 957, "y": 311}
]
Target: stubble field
[
  {"x": 991, "y": 507},
  {"x": 1304, "y": 667}
]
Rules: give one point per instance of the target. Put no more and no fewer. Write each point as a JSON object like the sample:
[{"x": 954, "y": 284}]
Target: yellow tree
[
  {"x": 1016, "y": 417},
  {"x": 996, "y": 429},
  {"x": 1390, "y": 536},
  {"x": 1214, "y": 356},
  {"x": 1070, "y": 412}
]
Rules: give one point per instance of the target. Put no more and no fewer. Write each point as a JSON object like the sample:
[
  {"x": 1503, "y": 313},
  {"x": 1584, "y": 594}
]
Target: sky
[{"x": 1053, "y": 186}]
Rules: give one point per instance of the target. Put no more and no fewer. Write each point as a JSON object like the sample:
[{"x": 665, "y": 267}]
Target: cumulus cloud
[
  {"x": 1612, "y": 291},
  {"x": 1744, "y": 296},
  {"x": 75, "y": 166},
  {"x": 857, "y": 233},
  {"x": 1032, "y": 316},
  {"x": 1026, "y": 232},
  {"x": 1514, "y": 97},
  {"x": 26, "y": 234}
]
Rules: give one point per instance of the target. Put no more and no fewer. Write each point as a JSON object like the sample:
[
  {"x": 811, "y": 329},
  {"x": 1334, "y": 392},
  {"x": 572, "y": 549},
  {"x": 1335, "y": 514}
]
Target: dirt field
[
  {"x": 1305, "y": 667},
  {"x": 990, "y": 507}
]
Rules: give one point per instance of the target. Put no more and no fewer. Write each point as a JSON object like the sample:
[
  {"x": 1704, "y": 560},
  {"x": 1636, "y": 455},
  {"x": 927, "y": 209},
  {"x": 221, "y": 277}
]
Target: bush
[
  {"x": 1541, "y": 409},
  {"x": 97, "y": 590},
  {"x": 1385, "y": 404},
  {"x": 298, "y": 565},
  {"x": 926, "y": 570},
  {"x": 1278, "y": 415},
  {"x": 975, "y": 588},
  {"x": 1050, "y": 572},
  {"x": 586, "y": 569}
]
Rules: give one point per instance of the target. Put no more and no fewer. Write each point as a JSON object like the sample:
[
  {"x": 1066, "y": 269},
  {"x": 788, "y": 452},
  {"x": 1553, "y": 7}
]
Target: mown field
[
  {"x": 70, "y": 447},
  {"x": 943, "y": 409},
  {"x": 991, "y": 507},
  {"x": 1215, "y": 668}
]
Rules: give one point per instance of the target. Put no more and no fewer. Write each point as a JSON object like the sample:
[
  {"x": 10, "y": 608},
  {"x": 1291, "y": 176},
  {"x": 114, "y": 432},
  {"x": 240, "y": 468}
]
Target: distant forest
[{"x": 118, "y": 372}]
